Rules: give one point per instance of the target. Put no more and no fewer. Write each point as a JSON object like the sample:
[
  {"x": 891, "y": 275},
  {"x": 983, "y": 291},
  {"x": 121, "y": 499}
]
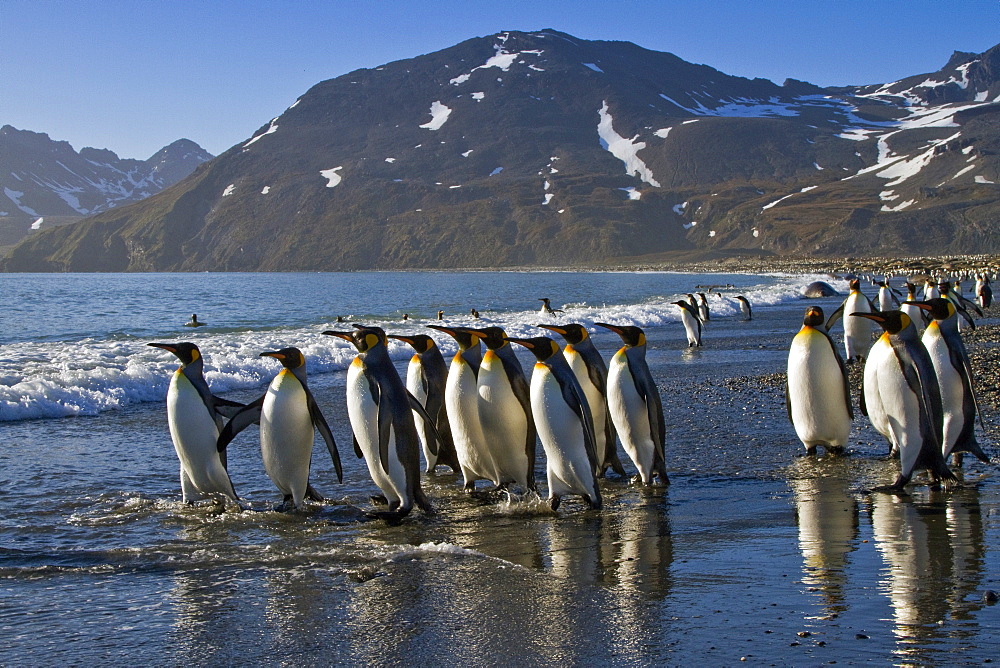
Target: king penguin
[
  {"x": 691, "y": 321},
  {"x": 704, "y": 312},
  {"x": 817, "y": 393},
  {"x": 505, "y": 410},
  {"x": 287, "y": 414},
  {"x": 745, "y": 307},
  {"x": 461, "y": 399},
  {"x": 381, "y": 414},
  {"x": 592, "y": 373},
  {"x": 426, "y": 376},
  {"x": 635, "y": 405},
  {"x": 901, "y": 397},
  {"x": 984, "y": 291},
  {"x": 958, "y": 397},
  {"x": 547, "y": 307},
  {"x": 564, "y": 423},
  {"x": 857, "y": 331},
  {"x": 195, "y": 420},
  {"x": 917, "y": 315}
]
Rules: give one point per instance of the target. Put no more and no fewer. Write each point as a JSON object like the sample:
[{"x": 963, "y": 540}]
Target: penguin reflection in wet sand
[
  {"x": 461, "y": 398},
  {"x": 380, "y": 410},
  {"x": 426, "y": 376},
  {"x": 288, "y": 415},
  {"x": 564, "y": 423},
  {"x": 901, "y": 397},
  {"x": 635, "y": 405},
  {"x": 505, "y": 411},
  {"x": 195, "y": 418},
  {"x": 691, "y": 321},
  {"x": 592, "y": 373},
  {"x": 857, "y": 331},
  {"x": 951, "y": 364},
  {"x": 817, "y": 394}
]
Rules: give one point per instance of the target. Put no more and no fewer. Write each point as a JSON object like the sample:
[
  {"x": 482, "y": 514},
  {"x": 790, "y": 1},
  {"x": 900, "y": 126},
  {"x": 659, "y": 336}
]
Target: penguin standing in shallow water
[
  {"x": 592, "y": 373},
  {"x": 691, "y": 321},
  {"x": 287, "y": 414},
  {"x": 635, "y": 405},
  {"x": 857, "y": 331},
  {"x": 380, "y": 410},
  {"x": 745, "y": 307},
  {"x": 461, "y": 398},
  {"x": 817, "y": 394},
  {"x": 564, "y": 423},
  {"x": 951, "y": 364},
  {"x": 195, "y": 420},
  {"x": 704, "y": 312},
  {"x": 547, "y": 307},
  {"x": 426, "y": 376},
  {"x": 505, "y": 411},
  {"x": 902, "y": 399}
]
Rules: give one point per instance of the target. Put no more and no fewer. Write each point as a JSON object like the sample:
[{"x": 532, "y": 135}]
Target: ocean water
[{"x": 752, "y": 552}]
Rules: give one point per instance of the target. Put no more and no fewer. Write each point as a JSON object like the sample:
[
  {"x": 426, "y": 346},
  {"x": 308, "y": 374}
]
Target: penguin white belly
[
  {"x": 286, "y": 435},
  {"x": 881, "y": 354},
  {"x": 462, "y": 402},
  {"x": 504, "y": 423},
  {"x": 884, "y": 300},
  {"x": 195, "y": 433},
  {"x": 902, "y": 411},
  {"x": 362, "y": 411},
  {"x": 630, "y": 417},
  {"x": 952, "y": 388},
  {"x": 857, "y": 331},
  {"x": 816, "y": 392},
  {"x": 415, "y": 384},
  {"x": 596, "y": 400},
  {"x": 690, "y": 327},
  {"x": 561, "y": 433}
]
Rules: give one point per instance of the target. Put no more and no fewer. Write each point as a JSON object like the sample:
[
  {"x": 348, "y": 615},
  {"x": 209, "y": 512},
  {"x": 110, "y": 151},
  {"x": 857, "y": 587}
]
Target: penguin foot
[
  {"x": 379, "y": 500},
  {"x": 636, "y": 479},
  {"x": 595, "y": 503},
  {"x": 554, "y": 502},
  {"x": 424, "y": 503}
]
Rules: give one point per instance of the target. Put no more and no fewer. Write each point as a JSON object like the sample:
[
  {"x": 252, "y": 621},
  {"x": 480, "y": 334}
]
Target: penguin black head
[
  {"x": 893, "y": 322},
  {"x": 363, "y": 338},
  {"x": 939, "y": 307},
  {"x": 465, "y": 336},
  {"x": 290, "y": 358},
  {"x": 493, "y": 337},
  {"x": 187, "y": 353},
  {"x": 855, "y": 285},
  {"x": 814, "y": 317},
  {"x": 632, "y": 336},
  {"x": 541, "y": 346},
  {"x": 944, "y": 287},
  {"x": 573, "y": 332},
  {"x": 420, "y": 342},
  {"x": 911, "y": 288}
]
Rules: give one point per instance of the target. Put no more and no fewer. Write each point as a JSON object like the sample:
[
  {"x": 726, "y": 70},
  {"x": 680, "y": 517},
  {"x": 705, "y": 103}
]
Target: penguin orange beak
[
  {"x": 446, "y": 330},
  {"x": 166, "y": 346},
  {"x": 522, "y": 342},
  {"x": 877, "y": 317},
  {"x": 404, "y": 339},
  {"x": 613, "y": 328},
  {"x": 347, "y": 336},
  {"x": 275, "y": 354},
  {"x": 921, "y": 305},
  {"x": 553, "y": 328}
]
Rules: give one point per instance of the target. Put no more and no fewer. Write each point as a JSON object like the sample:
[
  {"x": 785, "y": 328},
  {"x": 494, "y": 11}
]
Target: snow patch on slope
[
  {"x": 439, "y": 114},
  {"x": 624, "y": 149}
]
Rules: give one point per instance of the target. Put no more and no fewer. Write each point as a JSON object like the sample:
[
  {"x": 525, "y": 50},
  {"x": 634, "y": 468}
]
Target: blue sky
[{"x": 135, "y": 76}]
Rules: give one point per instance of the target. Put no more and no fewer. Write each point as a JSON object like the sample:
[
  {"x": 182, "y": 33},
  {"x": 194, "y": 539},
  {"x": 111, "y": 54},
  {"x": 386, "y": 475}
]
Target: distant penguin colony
[{"x": 481, "y": 416}]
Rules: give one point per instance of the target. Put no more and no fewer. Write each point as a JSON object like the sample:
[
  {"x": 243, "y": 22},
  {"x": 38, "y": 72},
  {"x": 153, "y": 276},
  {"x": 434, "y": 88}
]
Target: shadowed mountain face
[
  {"x": 543, "y": 149},
  {"x": 46, "y": 183}
]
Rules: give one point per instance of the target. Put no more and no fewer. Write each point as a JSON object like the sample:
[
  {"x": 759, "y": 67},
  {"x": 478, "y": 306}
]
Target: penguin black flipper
[
  {"x": 788, "y": 402},
  {"x": 575, "y": 399},
  {"x": 646, "y": 387},
  {"x": 225, "y": 407},
  {"x": 248, "y": 415},
  {"x": 428, "y": 421},
  {"x": 518, "y": 384},
  {"x": 861, "y": 401},
  {"x": 324, "y": 429},
  {"x": 312, "y": 494},
  {"x": 967, "y": 439},
  {"x": 384, "y": 432},
  {"x": 357, "y": 447},
  {"x": 971, "y": 303},
  {"x": 835, "y": 316},
  {"x": 843, "y": 373},
  {"x": 926, "y": 387}
]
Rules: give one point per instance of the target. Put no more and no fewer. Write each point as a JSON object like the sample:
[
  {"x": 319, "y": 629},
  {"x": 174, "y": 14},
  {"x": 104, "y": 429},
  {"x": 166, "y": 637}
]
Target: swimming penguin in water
[
  {"x": 592, "y": 373},
  {"x": 195, "y": 418},
  {"x": 817, "y": 394},
  {"x": 547, "y": 308},
  {"x": 635, "y": 405},
  {"x": 691, "y": 321},
  {"x": 954, "y": 373},
  {"x": 505, "y": 410},
  {"x": 380, "y": 410},
  {"x": 901, "y": 397},
  {"x": 426, "y": 376},
  {"x": 857, "y": 331},
  {"x": 564, "y": 422},
  {"x": 288, "y": 415},
  {"x": 461, "y": 399},
  {"x": 745, "y": 307},
  {"x": 194, "y": 322}
]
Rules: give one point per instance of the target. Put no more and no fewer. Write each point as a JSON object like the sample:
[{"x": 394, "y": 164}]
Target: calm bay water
[{"x": 748, "y": 547}]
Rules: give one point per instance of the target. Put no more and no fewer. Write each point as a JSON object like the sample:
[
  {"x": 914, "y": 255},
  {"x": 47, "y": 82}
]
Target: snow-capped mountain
[
  {"x": 46, "y": 182},
  {"x": 541, "y": 148}
]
